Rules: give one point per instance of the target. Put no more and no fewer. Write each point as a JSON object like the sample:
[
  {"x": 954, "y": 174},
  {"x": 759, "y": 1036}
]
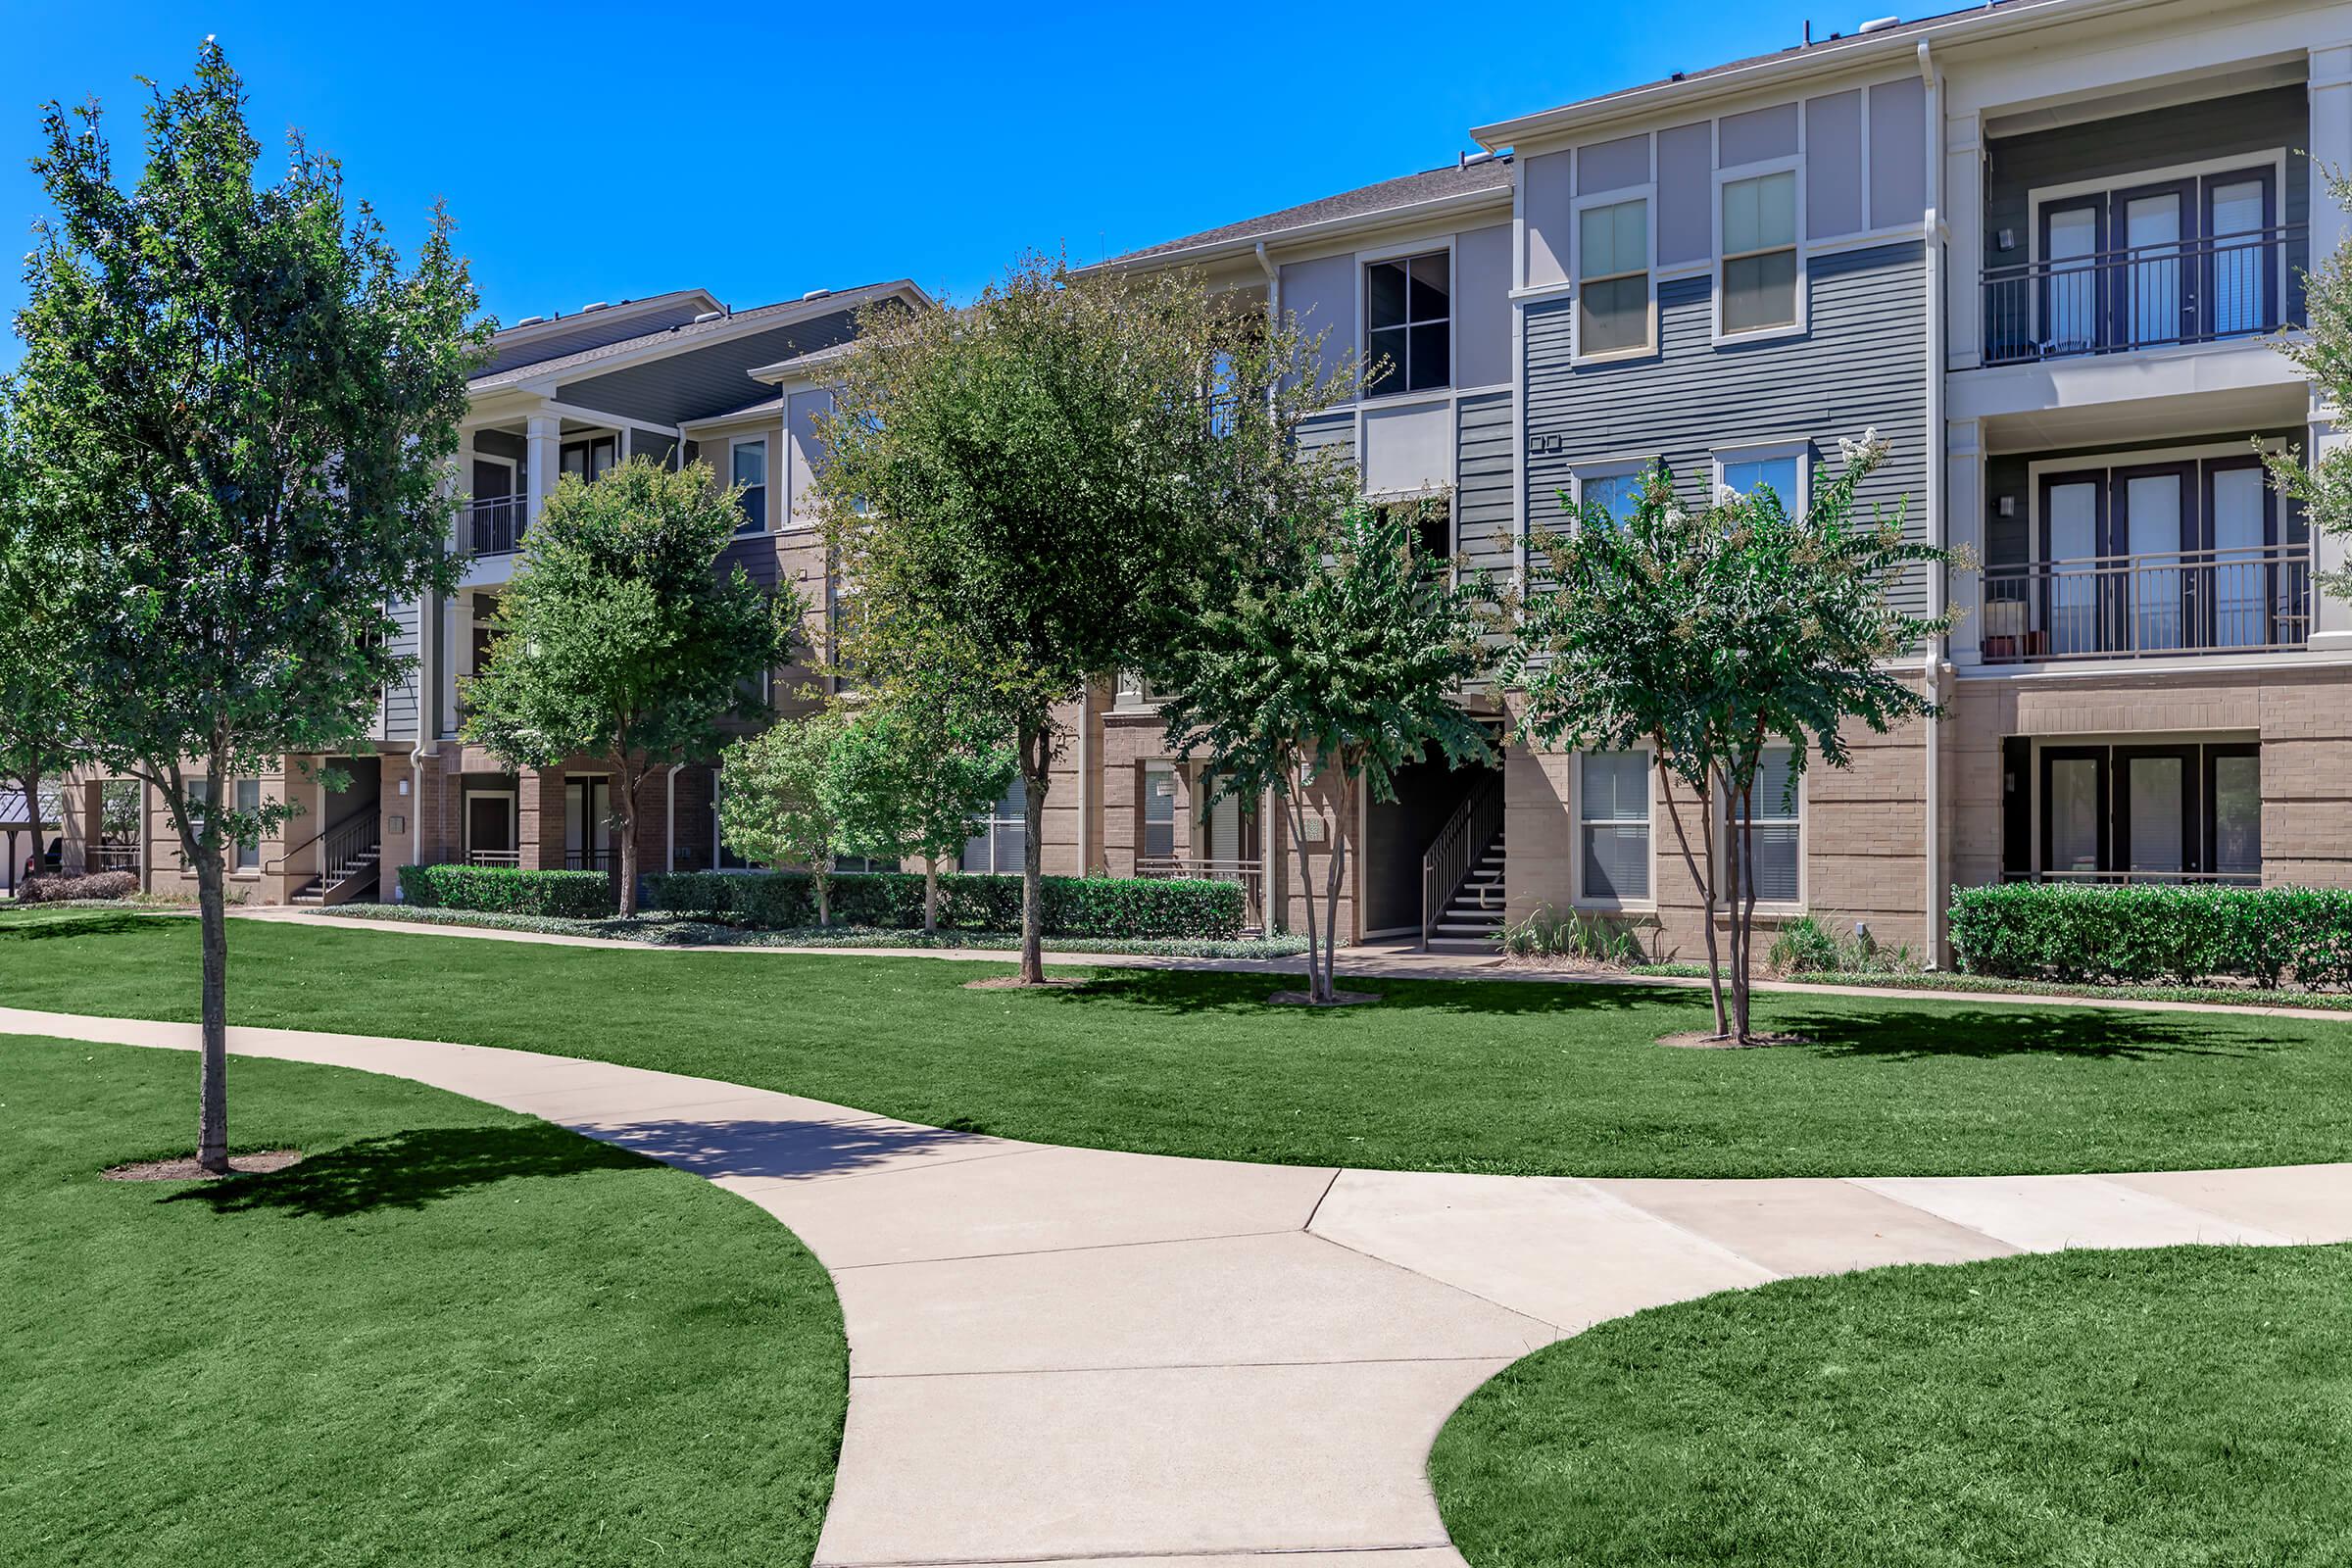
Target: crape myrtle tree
[
  {"x": 238, "y": 409},
  {"x": 905, "y": 776},
  {"x": 2324, "y": 353},
  {"x": 39, "y": 729},
  {"x": 776, "y": 806},
  {"x": 1710, "y": 634},
  {"x": 1344, "y": 655},
  {"x": 1028, "y": 493},
  {"x": 619, "y": 637}
]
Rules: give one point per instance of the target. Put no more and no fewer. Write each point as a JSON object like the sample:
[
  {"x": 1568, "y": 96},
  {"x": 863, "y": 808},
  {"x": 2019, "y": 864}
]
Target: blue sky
[{"x": 599, "y": 153}]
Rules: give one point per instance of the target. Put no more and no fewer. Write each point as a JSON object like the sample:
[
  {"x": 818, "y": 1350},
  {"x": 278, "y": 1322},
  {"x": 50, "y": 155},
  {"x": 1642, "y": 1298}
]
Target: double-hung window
[
  {"x": 249, "y": 806},
  {"x": 1767, "y": 834},
  {"x": 747, "y": 459},
  {"x": 1759, "y": 282},
  {"x": 1613, "y": 826},
  {"x": 1613, "y": 488},
  {"x": 1000, "y": 839},
  {"x": 1408, "y": 321},
  {"x": 1613, "y": 278},
  {"x": 1159, "y": 811},
  {"x": 1780, "y": 470}
]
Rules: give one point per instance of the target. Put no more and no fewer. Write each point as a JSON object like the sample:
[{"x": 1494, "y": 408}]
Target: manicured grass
[
  {"x": 2156, "y": 1409},
  {"x": 451, "y": 1335},
  {"x": 1506, "y": 1076},
  {"x": 1946, "y": 981}
]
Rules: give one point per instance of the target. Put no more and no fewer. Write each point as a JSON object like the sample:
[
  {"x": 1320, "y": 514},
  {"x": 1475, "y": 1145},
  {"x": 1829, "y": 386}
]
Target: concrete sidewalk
[
  {"x": 1372, "y": 961},
  {"x": 1074, "y": 1356}
]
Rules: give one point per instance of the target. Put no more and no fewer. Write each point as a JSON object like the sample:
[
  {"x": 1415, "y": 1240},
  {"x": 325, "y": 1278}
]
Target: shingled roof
[{"x": 1367, "y": 201}]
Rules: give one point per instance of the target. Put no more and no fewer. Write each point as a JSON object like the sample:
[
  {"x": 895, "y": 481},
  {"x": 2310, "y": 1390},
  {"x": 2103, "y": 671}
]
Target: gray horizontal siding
[
  {"x": 398, "y": 719},
  {"x": 1334, "y": 433},
  {"x": 593, "y": 331},
  {"x": 1861, "y": 365},
  {"x": 1485, "y": 526},
  {"x": 707, "y": 380}
]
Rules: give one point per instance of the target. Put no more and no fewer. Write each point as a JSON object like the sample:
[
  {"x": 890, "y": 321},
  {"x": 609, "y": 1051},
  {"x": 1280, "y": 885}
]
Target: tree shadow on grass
[
  {"x": 409, "y": 1170},
  {"x": 1884, "y": 1033},
  {"x": 1180, "y": 991},
  {"x": 94, "y": 923}
]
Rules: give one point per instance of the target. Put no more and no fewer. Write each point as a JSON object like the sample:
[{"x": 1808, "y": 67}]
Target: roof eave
[{"x": 1328, "y": 229}]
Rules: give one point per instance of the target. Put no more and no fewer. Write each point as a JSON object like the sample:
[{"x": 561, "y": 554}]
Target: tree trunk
[
  {"x": 1704, "y": 877},
  {"x": 930, "y": 893},
  {"x": 212, "y": 1081},
  {"x": 820, "y": 877},
  {"x": 1035, "y": 753},
  {"x": 1746, "y": 913},
  {"x": 1334, "y": 879},
  {"x": 627, "y": 900},
  {"x": 30, "y": 784},
  {"x": 1315, "y": 986}
]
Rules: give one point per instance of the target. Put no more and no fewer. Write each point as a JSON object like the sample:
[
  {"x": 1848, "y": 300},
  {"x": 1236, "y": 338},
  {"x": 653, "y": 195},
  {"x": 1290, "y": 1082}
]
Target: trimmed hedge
[
  {"x": 52, "y": 888},
  {"x": 2143, "y": 932},
  {"x": 505, "y": 890},
  {"x": 1125, "y": 907}
]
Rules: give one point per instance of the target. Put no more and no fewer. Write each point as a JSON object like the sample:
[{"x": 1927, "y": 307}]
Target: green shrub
[
  {"x": 1546, "y": 933},
  {"x": 1804, "y": 946},
  {"x": 2144, "y": 932},
  {"x": 1123, "y": 907},
  {"x": 505, "y": 890}
]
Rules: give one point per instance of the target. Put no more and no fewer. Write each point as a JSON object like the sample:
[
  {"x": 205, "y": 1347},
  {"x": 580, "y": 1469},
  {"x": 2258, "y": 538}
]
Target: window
[
  {"x": 1612, "y": 293},
  {"x": 2234, "y": 812},
  {"x": 1613, "y": 826},
  {"x": 1159, "y": 811},
  {"x": 1615, "y": 490},
  {"x": 588, "y": 822},
  {"x": 199, "y": 801},
  {"x": 1766, "y": 835},
  {"x": 1780, "y": 470},
  {"x": 588, "y": 460},
  {"x": 2164, "y": 812},
  {"x": 1431, "y": 517},
  {"x": 249, "y": 805},
  {"x": 1759, "y": 253},
  {"x": 1408, "y": 321},
  {"x": 747, "y": 460},
  {"x": 998, "y": 838}
]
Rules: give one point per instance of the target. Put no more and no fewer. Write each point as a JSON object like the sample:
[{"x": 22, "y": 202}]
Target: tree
[
  {"x": 907, "y": 778},
  {"x": 239, "y": 411},
  {"x": 774, "y": 807},
  {"x": 618, "y": 636},
  {"x": 2324, "y": 353},
  {"x": 1350, "y": 662},
  {"x": 40, "y": 730},
  {"x": 1711, "y": 634},
  {"x": 1029, "y": 493}
]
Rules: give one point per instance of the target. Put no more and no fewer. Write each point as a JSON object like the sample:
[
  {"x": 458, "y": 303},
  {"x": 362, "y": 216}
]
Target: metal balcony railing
[
  {"x": 2146, "y": 605},
  {"x": 493, "y": 524},
  {"x": 2149, "y": 295},
  {"x": 1250, "y": 873}
]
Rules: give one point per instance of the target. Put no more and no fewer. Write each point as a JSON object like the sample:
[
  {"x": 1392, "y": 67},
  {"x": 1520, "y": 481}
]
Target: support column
[
  {"x": 1963, "y": 218},
  {"x": 542, "y": 458},
  {"x": 2332, "y": 616}
]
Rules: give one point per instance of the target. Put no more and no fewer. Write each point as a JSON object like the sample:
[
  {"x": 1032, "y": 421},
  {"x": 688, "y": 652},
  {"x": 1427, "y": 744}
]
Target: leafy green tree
[
  {"x": 238, "y": 411},
  {"x": 775, "y": 805},
  {"x": 1348, "y": 661},
  {"x": 2324, "y": 352},
  {"x": 619, "y": 638},
  {"x": 1710, "y": 634},
  {"x": 40, "y": 727},
  {"x": 1030, "y": 493},
  {"x": 907, "y": 778}
]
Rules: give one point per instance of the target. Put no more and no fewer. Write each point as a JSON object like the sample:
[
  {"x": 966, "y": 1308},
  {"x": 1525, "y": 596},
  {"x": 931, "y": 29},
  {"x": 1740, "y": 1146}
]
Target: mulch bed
[
  {"x": 1700, "y": 1040},
  {"x": 185, "y": 1168},
  {"x": 1339, "y": 998},
  {"x": 1014, "y": 982}
]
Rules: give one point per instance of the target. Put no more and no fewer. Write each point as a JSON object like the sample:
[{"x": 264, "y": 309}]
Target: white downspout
[
  {"x": 1939, "y": 473},
  {"x": 429, "y": 728},
  {"x": 669, "y": 823}
]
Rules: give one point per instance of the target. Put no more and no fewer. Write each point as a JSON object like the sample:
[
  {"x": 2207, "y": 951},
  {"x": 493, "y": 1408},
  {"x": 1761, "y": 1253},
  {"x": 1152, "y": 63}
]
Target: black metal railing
[
  {"x": 1250, "y": 873},
  {"x": 2134, "y": 607},
  {"x": 493, "y": 524},
  {"x": 2148, "y": 296}
]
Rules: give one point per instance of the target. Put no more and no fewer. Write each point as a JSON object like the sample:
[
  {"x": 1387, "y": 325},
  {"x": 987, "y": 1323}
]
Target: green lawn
[
  {"x": 451, "y": 1335},
  {"x": 2156, "y": 1409},
  {"x": 1494, "y": 1076}
]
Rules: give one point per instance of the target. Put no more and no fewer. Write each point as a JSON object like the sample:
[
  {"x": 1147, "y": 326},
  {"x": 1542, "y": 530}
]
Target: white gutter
[
  {"x": 669, "y": 820},
  {"x": 429, "y": 739},
  {"x": 1939, "y": 475}
]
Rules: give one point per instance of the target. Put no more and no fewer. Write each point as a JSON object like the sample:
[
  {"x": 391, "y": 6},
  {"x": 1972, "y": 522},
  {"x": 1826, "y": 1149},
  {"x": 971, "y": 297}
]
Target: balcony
[
  {"x": 493, "y": 525},
  {"x": 2199, "y": 602},
  {"x": 2203, "y": 290},
  {"x": 1251, "y": 874}
]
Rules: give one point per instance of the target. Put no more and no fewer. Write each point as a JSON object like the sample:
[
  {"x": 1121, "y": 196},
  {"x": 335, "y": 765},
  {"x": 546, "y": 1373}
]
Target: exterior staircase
[
  {"x": 1462, "y": 899},
  {"x": 349, "y": 860},
  {"x": 1474, "y": 914}
]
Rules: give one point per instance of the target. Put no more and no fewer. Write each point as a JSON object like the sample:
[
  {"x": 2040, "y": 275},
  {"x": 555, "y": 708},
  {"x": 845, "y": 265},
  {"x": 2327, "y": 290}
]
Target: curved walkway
[{"x": 1073, "y": 1355}]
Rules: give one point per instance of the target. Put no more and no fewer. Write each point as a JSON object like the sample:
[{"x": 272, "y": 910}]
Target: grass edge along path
[
  {"x": 452, "y": 1334},
  {"x": 2163, "y": 1408}
]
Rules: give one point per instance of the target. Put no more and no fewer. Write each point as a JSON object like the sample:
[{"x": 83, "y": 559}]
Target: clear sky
[{"x": 600, "y": 153}]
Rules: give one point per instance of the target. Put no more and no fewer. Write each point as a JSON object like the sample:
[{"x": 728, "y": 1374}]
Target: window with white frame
[
  {"x": 747, "y": 469},
  {"x": 1615, "y": 488},
  {"x": 998, "y": 838},
  {"x": 1612, "y": 792},
  {"x": 1159, "y": 811},
  {"x": 249, "y": 805},
  {"x": 1759, "y": 280},
  {"x": 1767, "y": 834},
  {"x": 1612, "y": 277},
  {"x": 1408, "y": 321},
  {"x": 1780, "y": 470}
]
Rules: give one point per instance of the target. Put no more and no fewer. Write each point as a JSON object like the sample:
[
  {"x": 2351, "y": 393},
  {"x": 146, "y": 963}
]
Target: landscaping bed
[
  {"x": 1989, "y": 985},
  {"x": 2186, "y": 1405},
  {"x": 450, "y": 1334},
  {"x": 1496, "y": 1076}
]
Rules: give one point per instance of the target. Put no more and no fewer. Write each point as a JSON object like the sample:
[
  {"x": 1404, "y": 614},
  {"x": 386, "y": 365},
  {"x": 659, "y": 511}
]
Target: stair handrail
[
  {"x": 1446, "y": 863},
  {"x": 346, "y": 843}
]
